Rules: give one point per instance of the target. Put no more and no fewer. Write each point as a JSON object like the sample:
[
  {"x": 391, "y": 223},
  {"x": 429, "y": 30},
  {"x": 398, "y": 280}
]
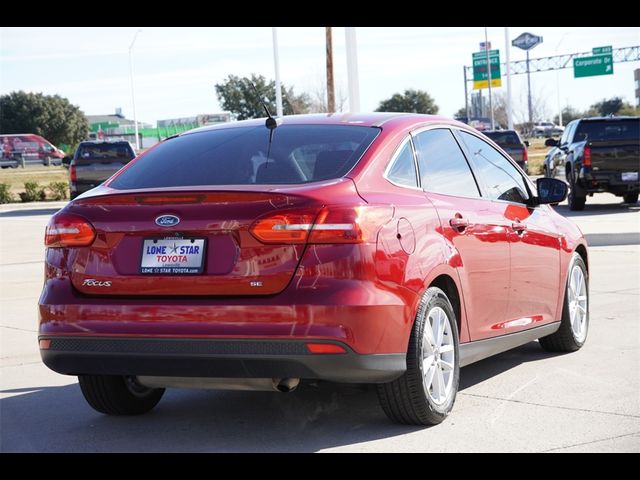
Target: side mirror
[
  {"x": 66, "y": 161},
  {"x": 551, "y": 190},
  {"x": 551, "y": 142},
  {"x": 526, "y": 142}
]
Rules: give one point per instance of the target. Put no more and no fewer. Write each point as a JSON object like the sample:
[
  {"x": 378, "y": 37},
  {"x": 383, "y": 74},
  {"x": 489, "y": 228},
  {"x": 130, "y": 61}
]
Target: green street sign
[
  {"x": 592, "y": 66},
  {"x": 602, "y": 50},
  {"x": 480, "y": 74}
]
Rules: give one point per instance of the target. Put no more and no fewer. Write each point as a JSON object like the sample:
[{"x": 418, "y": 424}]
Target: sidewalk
[{"x": 9, "y": 207}]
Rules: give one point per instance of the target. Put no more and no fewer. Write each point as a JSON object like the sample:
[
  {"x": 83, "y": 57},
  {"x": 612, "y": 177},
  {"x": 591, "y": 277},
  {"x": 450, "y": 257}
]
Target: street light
[{"x": 133, "y": 97}]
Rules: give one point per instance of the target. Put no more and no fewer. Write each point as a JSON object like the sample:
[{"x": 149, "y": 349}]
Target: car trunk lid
[{"x": 134, "y": 225}]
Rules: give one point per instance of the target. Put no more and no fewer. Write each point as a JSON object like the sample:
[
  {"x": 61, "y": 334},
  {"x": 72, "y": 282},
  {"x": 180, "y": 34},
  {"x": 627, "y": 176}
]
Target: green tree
[
  {"x": 609, "y": 106},
  {"x": 412, "y": 101},
  {"x": 238, "y": 96},
  {"x": 629, "y": 110},
  {"x": 569, "y": 114},
  {"x": 461, "y": 113},
  {"x": 52, "y": 117}
]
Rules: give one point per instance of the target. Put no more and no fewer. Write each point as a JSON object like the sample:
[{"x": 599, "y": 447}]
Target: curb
[{"x": 10, "y": 207}]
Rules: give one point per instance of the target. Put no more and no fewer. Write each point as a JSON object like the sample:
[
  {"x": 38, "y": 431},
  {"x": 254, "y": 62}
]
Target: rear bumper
[
  {"x": 237, "y": 358},
  {"x": 607, "y": 181}
]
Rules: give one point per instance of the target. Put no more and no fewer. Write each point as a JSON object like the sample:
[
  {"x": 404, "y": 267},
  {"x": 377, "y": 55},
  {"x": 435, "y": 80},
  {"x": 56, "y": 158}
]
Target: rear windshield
[
  {"x": 238, "y": 156},
  {"x": 105, "y": 151},
  {"x": 504, "y": 138},
  {"x": 608, "y": 130}
]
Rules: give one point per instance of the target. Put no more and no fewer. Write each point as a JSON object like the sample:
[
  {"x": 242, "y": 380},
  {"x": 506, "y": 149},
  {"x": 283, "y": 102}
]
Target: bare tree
[{"x": 318, "y": 95}]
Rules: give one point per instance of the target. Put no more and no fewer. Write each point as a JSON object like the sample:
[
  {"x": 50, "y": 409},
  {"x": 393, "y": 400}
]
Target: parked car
[
  {"x": 598, "y": 154},
  {"x": 30, "y": 149},
  {"x": 512, "y": 144},
  {"x": 96, "y": 161},
  {"x": 546, "y": 129},
  {"x": 379, "y": 248}
]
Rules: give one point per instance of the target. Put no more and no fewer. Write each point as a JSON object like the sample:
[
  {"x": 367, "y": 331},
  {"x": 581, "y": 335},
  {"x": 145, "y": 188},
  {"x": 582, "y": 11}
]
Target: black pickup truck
[{"x": 600, "y": 154}]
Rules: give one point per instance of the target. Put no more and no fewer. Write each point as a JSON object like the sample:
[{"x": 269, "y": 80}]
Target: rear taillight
[
  {"x": 525, "y": 155},
  {"x": 72, "y": 173},
  {"x": 586, "y": 156},
  {"x": 327, "y": 225},
  {"x": 66, "y": 230}
]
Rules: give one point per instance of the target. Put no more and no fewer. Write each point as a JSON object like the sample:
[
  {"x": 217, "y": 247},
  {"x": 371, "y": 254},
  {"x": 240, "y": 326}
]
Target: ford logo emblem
[{"x": 167, "y": 220}]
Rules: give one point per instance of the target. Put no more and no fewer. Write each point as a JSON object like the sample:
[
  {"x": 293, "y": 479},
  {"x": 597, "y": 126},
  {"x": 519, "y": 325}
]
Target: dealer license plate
[{"x": 172, "y": 256}]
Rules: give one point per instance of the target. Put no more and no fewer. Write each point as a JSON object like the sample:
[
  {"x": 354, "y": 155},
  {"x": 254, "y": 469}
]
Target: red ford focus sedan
[{"x": 370, "y": 248}]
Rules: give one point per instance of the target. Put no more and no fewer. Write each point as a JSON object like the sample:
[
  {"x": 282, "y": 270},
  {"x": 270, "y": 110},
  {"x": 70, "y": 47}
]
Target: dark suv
[
  {"x": 510, "y": 142},
  {"x": 94, "y": 162}
]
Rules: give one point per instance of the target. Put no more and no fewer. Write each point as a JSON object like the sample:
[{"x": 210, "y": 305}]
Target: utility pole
[
  {"x": 466, "y": 97},
  {"x": 507, "y": 45},
  {"x": 529, "y": 92},
  {"x": 352, "y": 69},
  {"x": 331, "y": 96},
  {"x": 276, "y": 62},
  {"x": 486, "y": 49},
  {"x": 133, "y": 96}
]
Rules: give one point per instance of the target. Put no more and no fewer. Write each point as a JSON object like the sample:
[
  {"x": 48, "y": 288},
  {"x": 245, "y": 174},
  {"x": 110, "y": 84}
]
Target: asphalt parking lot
[{"x": 522, "y": 400}]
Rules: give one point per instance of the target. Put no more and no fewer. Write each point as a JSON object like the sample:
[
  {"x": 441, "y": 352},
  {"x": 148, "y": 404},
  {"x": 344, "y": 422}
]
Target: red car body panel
[{"x": 363, "y": 295}]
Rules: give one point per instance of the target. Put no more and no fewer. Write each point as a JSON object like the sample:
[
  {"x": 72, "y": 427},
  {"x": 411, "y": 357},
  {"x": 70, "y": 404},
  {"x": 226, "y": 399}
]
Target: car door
[
  {"x": 559, "y": 155},
  {"x": 534, "y": 244},
  {"x": 475, "y": 233}
]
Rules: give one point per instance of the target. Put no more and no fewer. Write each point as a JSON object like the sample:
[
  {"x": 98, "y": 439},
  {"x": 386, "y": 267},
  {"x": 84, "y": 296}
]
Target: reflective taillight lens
[
  {"x": 525, "y": 154},
  {"x": 586, "y": 157},
  {"x": 327, "y": 225},
  {"x": 72, "y": 173},
  {"x": 66, "y": 230}
]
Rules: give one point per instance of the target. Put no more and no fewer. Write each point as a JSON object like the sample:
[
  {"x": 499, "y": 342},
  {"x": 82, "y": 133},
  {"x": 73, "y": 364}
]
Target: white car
[{"x": 546, "y": 129}]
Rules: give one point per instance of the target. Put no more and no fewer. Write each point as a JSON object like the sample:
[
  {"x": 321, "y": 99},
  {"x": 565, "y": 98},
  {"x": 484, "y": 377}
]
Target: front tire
[
  {"x": 630, "y": 198},
  {"x": 574, "y": 325},
  {"x": 118, "y": 395},
  {"x": 426, "y": 392}
]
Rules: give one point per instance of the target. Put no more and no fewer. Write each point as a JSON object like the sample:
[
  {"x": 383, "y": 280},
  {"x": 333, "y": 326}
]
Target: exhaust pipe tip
[{"x": 285, "y": 385}]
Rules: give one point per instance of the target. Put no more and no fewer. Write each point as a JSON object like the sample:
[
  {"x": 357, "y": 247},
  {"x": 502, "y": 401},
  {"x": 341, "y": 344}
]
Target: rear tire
[
  {"x": 576, "y": 202},
  {"x": 426, "y": 392},
  {"x": 118, "y": 395},
  {"x": 574, "y": 325},
  {"x": 630, "y": 198}
]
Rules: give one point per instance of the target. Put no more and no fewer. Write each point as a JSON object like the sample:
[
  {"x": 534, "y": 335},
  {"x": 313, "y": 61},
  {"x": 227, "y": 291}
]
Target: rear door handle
[{"x": 459, "y": 223}]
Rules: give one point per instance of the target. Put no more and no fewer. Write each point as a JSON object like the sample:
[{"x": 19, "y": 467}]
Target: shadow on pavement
[
  {"x": 480, "y": 371},
  {"x": 29, "y": 213},
  {"x": 592, "y": 209},
  {"x": 314, "y": 417}
]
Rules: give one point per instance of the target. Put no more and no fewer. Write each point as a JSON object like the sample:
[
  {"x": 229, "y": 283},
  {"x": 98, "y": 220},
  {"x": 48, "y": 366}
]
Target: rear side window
[
  {"x": 608, "y": 130},
  {"x": 403, "y": 168},
  {"x": 504, "y": 138},
  {"x": 502, "y": 179},
  {"x": 116, "y": 152},
  {"x": 238, "y": 156},
  {"x": 443, "y": 168}
]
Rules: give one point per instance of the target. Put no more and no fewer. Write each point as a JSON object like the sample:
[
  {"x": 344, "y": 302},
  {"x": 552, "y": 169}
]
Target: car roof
[
  {"x": 375, "y": 119},
  {"x": 609, "y": 118},
  {"x": 102, "y": 142}
]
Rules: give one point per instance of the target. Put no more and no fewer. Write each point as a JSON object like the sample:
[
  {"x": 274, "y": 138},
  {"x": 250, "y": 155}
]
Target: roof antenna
[{"x": 270, "y": 123}]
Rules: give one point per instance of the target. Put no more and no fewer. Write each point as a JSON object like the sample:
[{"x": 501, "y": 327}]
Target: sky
[{"x": 176, "y": 68}]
